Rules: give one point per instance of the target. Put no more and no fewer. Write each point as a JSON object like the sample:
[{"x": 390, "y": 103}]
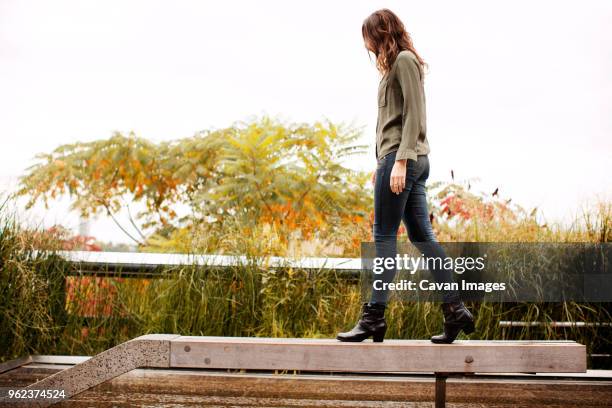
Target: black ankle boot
[
  {"x": 456, "y": 318},
  {"x": 372, "y": 323}
]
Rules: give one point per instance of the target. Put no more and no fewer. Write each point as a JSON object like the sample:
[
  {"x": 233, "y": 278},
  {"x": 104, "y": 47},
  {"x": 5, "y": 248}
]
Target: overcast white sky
[{"x": 519, "y": 93}]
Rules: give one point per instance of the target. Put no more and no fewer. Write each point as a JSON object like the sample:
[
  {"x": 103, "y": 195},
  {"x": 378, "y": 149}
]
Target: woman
[{"x": 403, "y": 167}]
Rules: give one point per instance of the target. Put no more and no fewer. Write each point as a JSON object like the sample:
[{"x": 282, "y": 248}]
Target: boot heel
[
  {"x": 469, "y": 328},
  {"x": 378, "y": 337}
]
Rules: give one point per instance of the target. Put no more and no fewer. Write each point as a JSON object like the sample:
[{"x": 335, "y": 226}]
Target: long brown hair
[{"x": 384, "y": 32}]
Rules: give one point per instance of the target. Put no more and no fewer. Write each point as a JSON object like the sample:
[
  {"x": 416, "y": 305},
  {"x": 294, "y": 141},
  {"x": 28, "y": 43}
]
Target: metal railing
[{"x": 144, "y": 264}]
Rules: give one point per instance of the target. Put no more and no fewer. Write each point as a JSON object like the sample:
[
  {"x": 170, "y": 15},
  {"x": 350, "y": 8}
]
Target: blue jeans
[{"x": 411, "y": 207}]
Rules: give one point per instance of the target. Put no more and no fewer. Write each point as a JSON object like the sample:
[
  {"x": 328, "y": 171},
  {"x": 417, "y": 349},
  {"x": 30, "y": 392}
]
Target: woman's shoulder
[
  {"x": 406, "y": 55},
  {"x": 407, "y": 60}
]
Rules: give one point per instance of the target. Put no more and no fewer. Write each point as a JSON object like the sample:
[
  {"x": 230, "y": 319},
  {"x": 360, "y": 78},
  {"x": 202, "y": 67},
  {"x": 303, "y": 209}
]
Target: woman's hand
[
  {"x": 374, "y": 178},
  {"x": 398, "y": 176}
]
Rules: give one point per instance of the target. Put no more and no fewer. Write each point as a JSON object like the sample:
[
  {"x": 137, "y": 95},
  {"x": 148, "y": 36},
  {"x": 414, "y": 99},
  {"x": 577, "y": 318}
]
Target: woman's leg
[
  {"x": 457, "y": 317},
  {"x": 420, "y": 232},
  {"x": 388, "y": 210},
  {"x": 388, "y": 213}
]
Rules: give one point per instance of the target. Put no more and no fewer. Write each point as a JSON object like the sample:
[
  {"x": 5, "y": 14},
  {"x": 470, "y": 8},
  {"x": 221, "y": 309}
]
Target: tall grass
[
  {"x": 32, "y": 310},
  {"x": 252, "y": 300}
]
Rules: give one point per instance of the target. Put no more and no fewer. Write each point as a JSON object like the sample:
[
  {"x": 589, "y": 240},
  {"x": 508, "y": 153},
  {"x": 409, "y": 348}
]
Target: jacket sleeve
[{"x": 409, "y": 77}]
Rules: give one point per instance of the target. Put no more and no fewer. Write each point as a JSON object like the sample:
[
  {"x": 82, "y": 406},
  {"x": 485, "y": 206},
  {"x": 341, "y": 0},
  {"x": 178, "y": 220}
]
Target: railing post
[{"x": 441, "y": 389}]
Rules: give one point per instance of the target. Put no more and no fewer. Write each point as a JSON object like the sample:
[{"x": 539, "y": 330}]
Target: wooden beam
[
  {"x": 16, "y": 363},
  {"x": 391, "y": 355}
]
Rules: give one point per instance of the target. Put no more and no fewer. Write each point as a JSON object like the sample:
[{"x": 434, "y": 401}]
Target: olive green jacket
[{"x": 401, "y": 122}]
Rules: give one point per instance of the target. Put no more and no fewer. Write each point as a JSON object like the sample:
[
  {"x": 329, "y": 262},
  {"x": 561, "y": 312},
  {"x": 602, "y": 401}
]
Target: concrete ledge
[{"x": 145, "y": 351}]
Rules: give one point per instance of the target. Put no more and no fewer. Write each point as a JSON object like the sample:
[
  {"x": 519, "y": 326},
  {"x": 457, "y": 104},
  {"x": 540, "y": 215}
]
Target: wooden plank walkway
[{"x": 174, "y": 351}]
